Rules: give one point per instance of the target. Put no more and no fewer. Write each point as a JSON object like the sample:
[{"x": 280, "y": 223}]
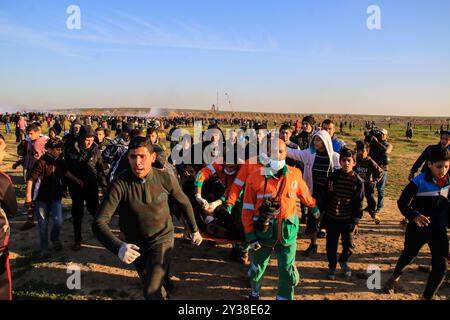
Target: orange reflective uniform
[{"x": 293, "y": 188}]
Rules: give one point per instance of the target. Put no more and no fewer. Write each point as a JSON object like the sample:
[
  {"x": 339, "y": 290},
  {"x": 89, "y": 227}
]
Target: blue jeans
[
  {"x": 370, "y": 196},
  {"x": 42, "y": 212},
  {"x": 7, "y": 128},
  {"x": 380, "y": 188}
]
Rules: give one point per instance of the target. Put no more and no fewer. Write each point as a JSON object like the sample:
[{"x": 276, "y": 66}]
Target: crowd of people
[{"x": 251, "y": 185}]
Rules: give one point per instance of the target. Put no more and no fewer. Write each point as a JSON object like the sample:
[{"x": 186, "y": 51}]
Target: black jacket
[
  {"x": 378, "y": 153},
  {"x": 86, "y": 165}
]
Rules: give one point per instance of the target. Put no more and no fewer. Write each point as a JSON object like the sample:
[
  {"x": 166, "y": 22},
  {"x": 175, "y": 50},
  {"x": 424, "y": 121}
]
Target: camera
[
  {"x": 269, "y": 209},
  {"x": 375, "y": 132}
]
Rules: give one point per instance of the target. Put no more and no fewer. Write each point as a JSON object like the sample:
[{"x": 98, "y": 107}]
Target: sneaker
[
  {"x": 27, "y": 225},
  {"x": 76, "y": 246},
  {"x": 346, "y": 269},
  {"x": 252, "y": 297},
  {"x": 376, "y": 219},
  {"x": 57, "y": 246},
  {"x": 322, "y": 233},
  {"x": 390, "y": 286},
  {"x": 331, "y": 274},
  {"x": 312, "y": 249}
]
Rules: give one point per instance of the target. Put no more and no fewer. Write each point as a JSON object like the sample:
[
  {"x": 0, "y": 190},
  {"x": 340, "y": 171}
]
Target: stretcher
[{"x": 208, "y": 237}]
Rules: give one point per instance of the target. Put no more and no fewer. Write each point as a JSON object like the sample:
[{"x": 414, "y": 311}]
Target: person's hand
[
  {"x": 196, "y": 238},
  {"x": 254, "y": 246},
  {"x": 202, "y": 202},
  {"x": 128, "y": 253},
  {"x": 411, "y": 176},
  {"x": 422, "y": 221},
  {"x": 213, "y": 205},
  {"x": 356, "y": 229}
]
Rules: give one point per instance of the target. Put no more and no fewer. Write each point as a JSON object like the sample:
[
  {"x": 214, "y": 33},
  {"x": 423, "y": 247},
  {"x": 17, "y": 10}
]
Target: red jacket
[{"x": 8, "y": 208}]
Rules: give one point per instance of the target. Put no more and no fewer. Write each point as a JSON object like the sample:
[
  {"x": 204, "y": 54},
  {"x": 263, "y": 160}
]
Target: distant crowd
[{"x": 249, "y": 185}]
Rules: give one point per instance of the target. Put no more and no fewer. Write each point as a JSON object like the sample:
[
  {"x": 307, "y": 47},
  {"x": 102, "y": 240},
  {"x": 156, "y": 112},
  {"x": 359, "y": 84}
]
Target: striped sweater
[{"x": 343, "y": 197}]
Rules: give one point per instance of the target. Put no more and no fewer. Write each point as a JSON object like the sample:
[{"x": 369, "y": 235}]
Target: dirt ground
[{"x": 206, "y": 272}]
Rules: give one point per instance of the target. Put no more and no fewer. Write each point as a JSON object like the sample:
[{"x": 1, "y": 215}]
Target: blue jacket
[
  {"x": 337, "y": 144},
  {"x": 423, "y": 196}
]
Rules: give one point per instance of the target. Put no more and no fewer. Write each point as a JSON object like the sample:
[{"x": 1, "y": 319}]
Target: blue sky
[{"x": 299, "y": 56}]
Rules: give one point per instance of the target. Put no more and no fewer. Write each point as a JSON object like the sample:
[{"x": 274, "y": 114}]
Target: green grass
[
  {"x": 39, "y": 290},
  {"x": 404, "y": 154}
]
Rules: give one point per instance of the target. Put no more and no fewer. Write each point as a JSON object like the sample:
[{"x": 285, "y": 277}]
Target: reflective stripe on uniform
[
  {"x": 267, "y": 195},
  {"x": 239, "y": 182},
  {"x": 248, "y": 206},
  {"x": 211, "y": 168}
]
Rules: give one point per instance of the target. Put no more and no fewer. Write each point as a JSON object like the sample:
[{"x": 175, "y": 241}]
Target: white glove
[
  {"x": 128, "y": 252},
  {"x": 196, "y": 238},
  {"x": 255, "y": 246},
  {"x": 202, "y": 202},
  {"x": 317, "y": 215}
]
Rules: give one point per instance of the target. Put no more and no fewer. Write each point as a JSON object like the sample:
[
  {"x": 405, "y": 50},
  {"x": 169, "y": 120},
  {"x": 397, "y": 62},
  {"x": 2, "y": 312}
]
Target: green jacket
[{"x": 143, "y": 209}]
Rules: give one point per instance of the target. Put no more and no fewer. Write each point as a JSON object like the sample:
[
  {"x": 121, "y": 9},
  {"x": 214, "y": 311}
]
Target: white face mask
[
  {"x": 277, "y": 165},
  {"x": 230, "y": 173}
]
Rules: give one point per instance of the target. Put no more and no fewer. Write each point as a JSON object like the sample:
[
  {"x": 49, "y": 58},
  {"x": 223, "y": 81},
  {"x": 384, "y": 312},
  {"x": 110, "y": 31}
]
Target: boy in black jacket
[
  {"x": 425, "y": 203},
  {"x": 342, "y": 205},
  {"x": 371, "y": 173}
]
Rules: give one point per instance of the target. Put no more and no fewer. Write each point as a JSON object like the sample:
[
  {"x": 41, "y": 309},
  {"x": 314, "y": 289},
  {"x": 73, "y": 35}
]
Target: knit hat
[
  {"x": 86, "y": 132},
  {"x": 310, "y": 120}
]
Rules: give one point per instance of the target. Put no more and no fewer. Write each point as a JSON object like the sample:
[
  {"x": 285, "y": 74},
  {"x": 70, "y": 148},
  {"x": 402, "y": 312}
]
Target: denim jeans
[
  {"x": 42, "y": 212},
  {"x": 380, "y": 188},
  {"x": 7, "y": 128},
  {"x": 370, "y": 196}
]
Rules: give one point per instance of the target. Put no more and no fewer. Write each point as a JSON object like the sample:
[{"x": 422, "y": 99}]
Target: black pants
[
  {"x": 437, "y": 241},
  {"x": 78, "y": 199},
  {"x": 5, "y": 277},
  {"x": 153, "y": 268},
  {"x": 336, "y": 229}
]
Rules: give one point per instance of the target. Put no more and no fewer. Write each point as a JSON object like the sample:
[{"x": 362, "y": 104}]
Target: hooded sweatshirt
[{"x": 308, "y": 157}]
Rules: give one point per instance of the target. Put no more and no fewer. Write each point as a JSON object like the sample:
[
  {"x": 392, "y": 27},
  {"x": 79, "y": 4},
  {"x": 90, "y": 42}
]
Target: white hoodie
[{"x": 307, "y": 156}]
